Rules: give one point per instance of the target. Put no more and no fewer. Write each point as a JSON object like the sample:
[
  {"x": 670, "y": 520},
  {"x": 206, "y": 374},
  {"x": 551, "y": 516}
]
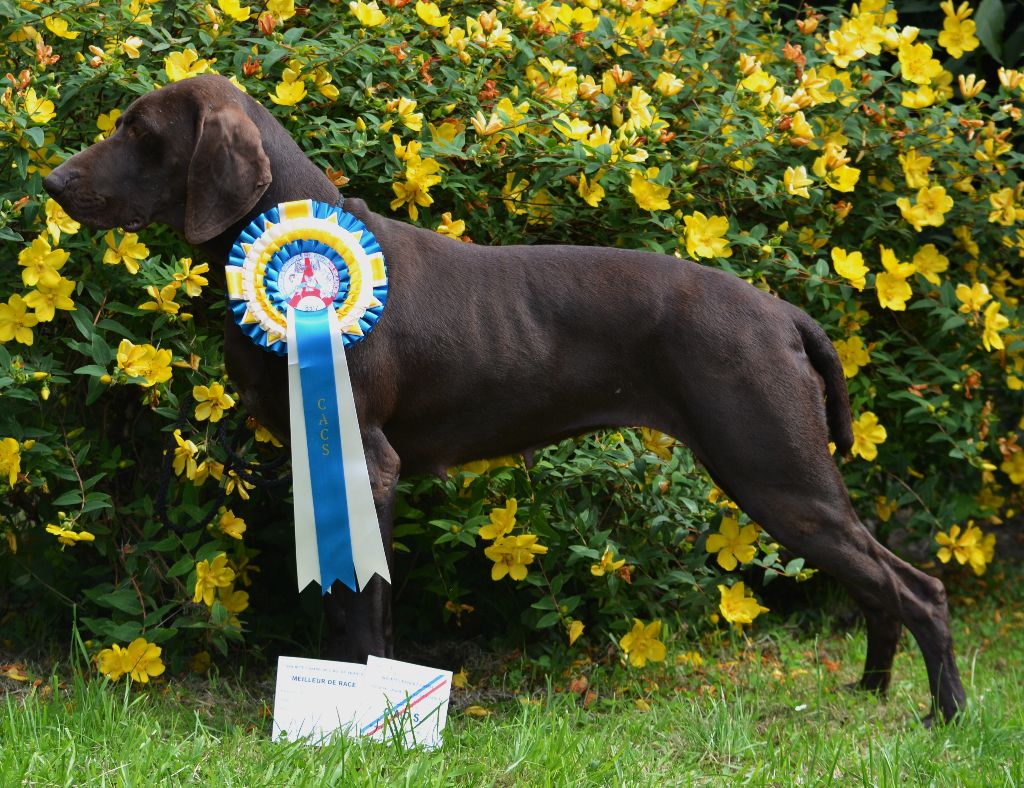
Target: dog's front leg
[{"x": 359, "y": 623}]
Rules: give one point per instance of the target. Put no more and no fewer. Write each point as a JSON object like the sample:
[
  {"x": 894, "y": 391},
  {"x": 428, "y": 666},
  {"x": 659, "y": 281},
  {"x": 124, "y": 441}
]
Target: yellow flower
[
  {"x": 405, "y": 108},
  {"x": 972, "y": 298},
  {"x": 185, "y": 456},
  {"x": 41, "y": 263},
  {"x": 668, "y": 84},
  {"x": 892, "y": 291},
  {"x": 106, "y": 123},
  {"x": 131, "y": 46},
  {"x": 572, "y": 128},
  {"x": 230, "y": 524},
  {"x": 10, "y": 460},
  {"x": 233, "y": 601},
  {"x": 420, "y": 175},
  {"x": 453, "y": 228},
  {"x": 705, "y": 235},
  {"x": 512, "y": 193},
  {"x": 206, "y": 469},
  {"x": 290, "y": 90},
  {"x": 607, "y": 564},
  {"x": 796, "y": 181},
  {"x": 850, "y": 266},
  {"x": 929, "y": 262},
  {"x": 957, "y": 36},
  {"x": 891, "y": 286},
  {"x": 994, "y": 323},
  {"x": 1012, "y": 467},
  {"x": 211, "y": 402},
  {"x": 128, "y": 251},
  {"x": 867, "y": 434},
  {"x": 917, "y": 64},
  {"x": 431, "y": 14},
  {"x": 39, "y": 110},
  {"x": 59, "y": 27},
  {"x": 758, "y": 82},
  {"x": 236, "y": 483},
  {"x": 234, "y": 9},
  {"x": 575, "y": 630},
  {"x": 58, "y": 221},
  {"x": 322, "y": 79},
  {"x": 658, "y": 443},
  {"x": 69, "y": 538},
  {"x": 368, "y": 14},
  {"x": 141, "y": 660},
  {"x": 210, "y": 577},
  {"x": 648, "y": 195},
  {"x": 923, "y": 97},
  {"x": 484, "y": 126},
  {"x": 192, "y": 277},
  {"x": 46, "y": 300},
  {"x": 163, "y": 299},
  {"x": 185, "y": 64},
  {"x": 915, "y": 168},
  {"x": 738, "y": 604},
  {"x": 885, "y": 508},
  {"x": 930, "y": 209},
  {"x": 263, "y": 435},
  {"x": 852, "y": 355},
  {"x": 733, "y": 545},
  {"x": 512, "y": 554},
  {"x": 970, "y": 546},
  {"x": 592, "y": 192},
  {"x": 842, "y": 179},
  {"x": 15, "y": 321},
  {"x": 1004, "y": 207},
  {"x": 641, "y": 643},
  {"x": 144, "y": 361},
  {"x": 970, "y": 86},
  {"x": 502, "y": 521},
  {"x": 282, "y": 9}
]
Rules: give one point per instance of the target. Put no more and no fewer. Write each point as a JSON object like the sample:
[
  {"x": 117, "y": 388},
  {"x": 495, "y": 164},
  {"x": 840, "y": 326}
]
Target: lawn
[{"x": 763, "y": 710}]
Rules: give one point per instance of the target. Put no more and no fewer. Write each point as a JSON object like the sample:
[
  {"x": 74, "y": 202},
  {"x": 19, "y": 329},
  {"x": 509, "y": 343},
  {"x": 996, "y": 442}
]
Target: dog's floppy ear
[{"x": 227, "y": 175}]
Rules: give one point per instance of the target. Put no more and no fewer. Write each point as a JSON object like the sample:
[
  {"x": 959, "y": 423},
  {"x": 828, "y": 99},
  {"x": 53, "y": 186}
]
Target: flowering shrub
[{"x": 844, "y": 161}]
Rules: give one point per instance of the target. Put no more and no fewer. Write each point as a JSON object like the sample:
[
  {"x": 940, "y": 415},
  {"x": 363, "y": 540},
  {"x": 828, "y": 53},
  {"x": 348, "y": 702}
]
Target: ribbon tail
[
  {"x": 368, "y": 553},
  {"x": 307, "y": 557}
]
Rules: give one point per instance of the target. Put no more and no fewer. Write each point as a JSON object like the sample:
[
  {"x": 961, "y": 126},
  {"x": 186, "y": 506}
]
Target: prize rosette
[{"x": 306, "y": 280}]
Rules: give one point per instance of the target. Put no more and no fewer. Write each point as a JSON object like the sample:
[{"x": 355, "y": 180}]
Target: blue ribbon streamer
[{"x": 323, "y": 445}]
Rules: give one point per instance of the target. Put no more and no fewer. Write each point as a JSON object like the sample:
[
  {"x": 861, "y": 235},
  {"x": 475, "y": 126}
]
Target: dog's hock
[{"x": 227, "y": 175}]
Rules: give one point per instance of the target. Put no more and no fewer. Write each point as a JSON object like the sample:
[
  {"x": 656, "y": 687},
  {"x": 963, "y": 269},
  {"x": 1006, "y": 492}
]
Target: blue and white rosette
[{"x": 307, "y": 280}]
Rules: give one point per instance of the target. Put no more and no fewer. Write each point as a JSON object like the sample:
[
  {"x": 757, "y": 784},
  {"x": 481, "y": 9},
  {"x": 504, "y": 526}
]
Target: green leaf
[
  {"x": 35, "y": 135},
  {"x": 124, "y": 599},
  {"x": 91, "y": 369},
  {"x": 83, "y": 322},
  {"x": 72, "y": 498},
  {"x": 548, "y": 619},
  {"x": 181, "y": 567},
  {"x": 990, "y": 19}
]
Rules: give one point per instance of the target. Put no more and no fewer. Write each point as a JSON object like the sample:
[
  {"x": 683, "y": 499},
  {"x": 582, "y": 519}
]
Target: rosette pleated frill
[{"x": 306, "y": 280}]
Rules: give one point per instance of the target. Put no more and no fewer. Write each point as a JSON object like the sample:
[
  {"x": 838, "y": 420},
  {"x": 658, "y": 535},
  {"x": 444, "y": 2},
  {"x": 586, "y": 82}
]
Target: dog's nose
[{"x": 57, "y": 181}]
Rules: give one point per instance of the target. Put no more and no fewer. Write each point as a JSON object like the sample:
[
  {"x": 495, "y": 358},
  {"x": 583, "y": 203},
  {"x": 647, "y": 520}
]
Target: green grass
[{"x": 765, "y": 712}]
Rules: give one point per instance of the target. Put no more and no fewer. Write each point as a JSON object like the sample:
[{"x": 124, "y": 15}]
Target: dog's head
[{"x": 187, "y": 155}]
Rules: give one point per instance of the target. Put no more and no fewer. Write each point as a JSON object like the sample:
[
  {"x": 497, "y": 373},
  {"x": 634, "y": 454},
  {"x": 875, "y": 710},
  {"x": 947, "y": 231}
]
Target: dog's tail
[{"x": 825, "y": 361}]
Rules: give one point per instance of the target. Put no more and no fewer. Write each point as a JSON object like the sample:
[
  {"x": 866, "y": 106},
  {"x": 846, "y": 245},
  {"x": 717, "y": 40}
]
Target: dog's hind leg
[
  {"x": 810, "y": 513},
  {"x": 359, "y": 623},
  {"x": 770, "y": 455}
]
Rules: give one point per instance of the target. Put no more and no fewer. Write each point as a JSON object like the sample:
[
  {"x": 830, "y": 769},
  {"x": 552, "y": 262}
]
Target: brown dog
[{"x": 484, "y": 351}]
